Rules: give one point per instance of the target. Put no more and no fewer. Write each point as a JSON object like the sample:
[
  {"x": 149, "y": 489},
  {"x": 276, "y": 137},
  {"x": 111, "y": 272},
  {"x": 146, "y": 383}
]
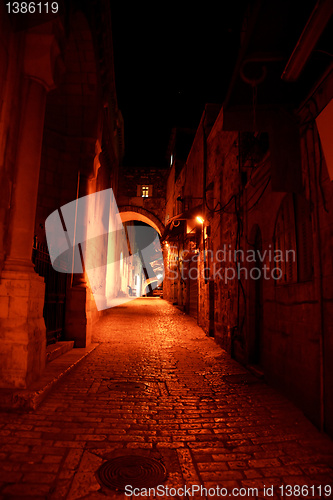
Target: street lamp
[{"x": 205, "y": 227}]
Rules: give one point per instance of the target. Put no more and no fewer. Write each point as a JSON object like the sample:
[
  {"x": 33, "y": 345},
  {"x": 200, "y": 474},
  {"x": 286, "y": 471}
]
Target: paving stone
[
  {"x": 37, "y": 478},
  {"x": 10, "y": 476},
  {"x": 40, "y": 468},
  {"x": 52, "y": 459},
  {"x": 61, "y": 489},
  {"x": 212, "y": 466},
  {"x": 206, "y": 430},
  {"x": 25, "y": 490},
  {"x": 73, "y": 458},
  {"x": 83, "y": 483}
]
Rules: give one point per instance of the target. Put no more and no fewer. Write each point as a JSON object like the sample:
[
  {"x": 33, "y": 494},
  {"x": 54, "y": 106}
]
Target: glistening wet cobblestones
[{"x": 184, "y": 402}]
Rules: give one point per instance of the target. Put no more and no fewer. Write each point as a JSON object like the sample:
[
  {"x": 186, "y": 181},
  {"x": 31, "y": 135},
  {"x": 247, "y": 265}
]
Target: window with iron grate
[
  {"x": 293, "y": 240},
  {"x": 145, "y": 190}
]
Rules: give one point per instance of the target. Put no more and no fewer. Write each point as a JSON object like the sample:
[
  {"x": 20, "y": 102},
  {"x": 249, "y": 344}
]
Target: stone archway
[
  {"x": 78, "y": 159},
  {"x": 132, "y": 213},
  {"x": 71, "y": 142},
  {"x": 135, "y": 213}
]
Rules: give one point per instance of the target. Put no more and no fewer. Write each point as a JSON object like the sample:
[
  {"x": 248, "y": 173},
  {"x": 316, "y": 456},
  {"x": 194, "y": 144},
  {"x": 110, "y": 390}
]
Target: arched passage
[
  {"x": 153, "y": 272},
  {"x": 71, "y": 142},
  {"x": 133, "y": 213}
]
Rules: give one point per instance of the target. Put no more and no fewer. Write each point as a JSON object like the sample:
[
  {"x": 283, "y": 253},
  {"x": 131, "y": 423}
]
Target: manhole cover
[
  {"x": 133, "y": 470},
  {"x": 127, "y": 386}
]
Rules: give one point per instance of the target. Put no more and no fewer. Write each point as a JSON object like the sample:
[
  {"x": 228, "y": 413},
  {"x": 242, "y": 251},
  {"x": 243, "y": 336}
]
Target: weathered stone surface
[
  {"x": 23, "y": 340},
  {"x": 75, "y": 429}
]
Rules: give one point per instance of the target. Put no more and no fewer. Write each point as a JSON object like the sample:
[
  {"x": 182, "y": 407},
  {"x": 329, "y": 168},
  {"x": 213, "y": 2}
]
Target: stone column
[
  {"x": 80, "y": 305},
  {"x": 22, "y": 327},
  {"x": 76, "y": 321},
  {"x": 24, "y": 200},
  {"x": 81, "y": 311}
]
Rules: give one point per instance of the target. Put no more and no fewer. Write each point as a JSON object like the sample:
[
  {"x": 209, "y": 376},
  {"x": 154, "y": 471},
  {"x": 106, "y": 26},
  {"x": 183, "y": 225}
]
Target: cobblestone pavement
[{"x": 192, "y": 407}]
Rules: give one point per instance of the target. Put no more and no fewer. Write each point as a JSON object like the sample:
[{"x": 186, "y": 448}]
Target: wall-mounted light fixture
[{"x": 205, "y": 235}]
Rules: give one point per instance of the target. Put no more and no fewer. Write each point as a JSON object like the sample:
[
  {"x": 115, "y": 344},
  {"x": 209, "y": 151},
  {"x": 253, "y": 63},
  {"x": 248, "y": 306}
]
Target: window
[
  {"x": 293, "y": 240},
  {"x": 144, "y": 190}
]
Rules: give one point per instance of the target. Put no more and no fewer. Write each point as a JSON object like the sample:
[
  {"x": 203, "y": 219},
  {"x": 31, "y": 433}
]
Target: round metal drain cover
[
  {"x": 136, "y": 471},
  {"x": 127, "y": 386}
]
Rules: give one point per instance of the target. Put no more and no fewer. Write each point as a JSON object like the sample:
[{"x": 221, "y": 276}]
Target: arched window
[{"x": 293, "y": 240}]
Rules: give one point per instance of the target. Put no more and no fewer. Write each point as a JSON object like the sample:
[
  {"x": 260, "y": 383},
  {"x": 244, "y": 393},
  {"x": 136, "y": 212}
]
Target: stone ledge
[
  {"x": 53, "y": 351},
  {"x": 257, "y": 371},
  {"x": 31, "y": 398}
]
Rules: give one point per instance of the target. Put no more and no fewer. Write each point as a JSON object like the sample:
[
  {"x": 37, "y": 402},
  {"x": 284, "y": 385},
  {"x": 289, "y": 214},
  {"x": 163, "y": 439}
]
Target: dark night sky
[{"x": 168, "y": 63}]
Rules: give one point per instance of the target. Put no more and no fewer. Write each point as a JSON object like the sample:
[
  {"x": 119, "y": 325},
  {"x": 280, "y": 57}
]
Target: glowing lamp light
[{"x": 200, "y": 219}]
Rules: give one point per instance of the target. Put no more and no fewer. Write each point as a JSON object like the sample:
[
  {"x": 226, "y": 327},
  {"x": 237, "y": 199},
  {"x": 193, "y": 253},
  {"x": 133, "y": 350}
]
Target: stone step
[
  {"x": 53, "y": 351},
  {"x": 30, "y": 398},
  {"x": 256, "y": 370}
]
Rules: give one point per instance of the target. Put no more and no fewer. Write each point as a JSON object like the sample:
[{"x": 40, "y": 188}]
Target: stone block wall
[
  {"x": 223, "y": 173},
  {"x": 131, "y": 178},
  {"x": 285, "y": 329}
]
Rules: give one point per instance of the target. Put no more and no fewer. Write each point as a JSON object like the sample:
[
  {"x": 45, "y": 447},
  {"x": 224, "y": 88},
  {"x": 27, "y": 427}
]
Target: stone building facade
[
  {"x": 61, "y": 138},
  {"x": 256, "y": 268},
  {"x": 141, "y": 195}
]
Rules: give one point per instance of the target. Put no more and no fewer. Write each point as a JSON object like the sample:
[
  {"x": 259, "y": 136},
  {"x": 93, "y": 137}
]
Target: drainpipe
[{"x": 204, "y": 200}]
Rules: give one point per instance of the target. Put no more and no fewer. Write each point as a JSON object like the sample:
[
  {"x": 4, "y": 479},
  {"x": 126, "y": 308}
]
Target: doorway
[
  {"x": 193, "y": 289},
  {"x": 55, "y": 292}
]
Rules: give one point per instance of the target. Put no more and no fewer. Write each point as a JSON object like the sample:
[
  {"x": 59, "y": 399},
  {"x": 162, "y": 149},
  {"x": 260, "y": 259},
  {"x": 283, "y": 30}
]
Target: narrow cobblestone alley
[{"x": 207, "y": 419}]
